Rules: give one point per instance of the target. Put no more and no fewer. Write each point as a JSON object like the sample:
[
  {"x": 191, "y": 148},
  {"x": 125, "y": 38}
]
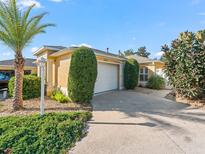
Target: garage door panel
[{"x": 107, "y": 78}]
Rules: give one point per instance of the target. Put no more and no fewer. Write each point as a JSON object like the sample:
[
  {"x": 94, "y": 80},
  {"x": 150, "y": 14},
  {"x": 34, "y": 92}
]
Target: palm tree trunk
[{"x": 18, "y": 85}]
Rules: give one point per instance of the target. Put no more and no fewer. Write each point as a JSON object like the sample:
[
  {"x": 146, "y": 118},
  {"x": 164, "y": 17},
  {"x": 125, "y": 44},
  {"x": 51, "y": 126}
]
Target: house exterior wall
[
  {"x": 152, "y": 70},
  {"x": 49, "y": 70},
  {"x": 62, "y": 72},
  {"x": 121, "y": 76},
  {"x": 57, "y": 70}
]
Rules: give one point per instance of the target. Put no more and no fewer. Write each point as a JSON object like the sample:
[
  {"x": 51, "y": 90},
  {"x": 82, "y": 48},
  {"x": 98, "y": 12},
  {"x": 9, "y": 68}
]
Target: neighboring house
[
  {"x": 110, "y": 68},
  {"x": 148, "y": 67},
  {"x": 7, "y": 70}
]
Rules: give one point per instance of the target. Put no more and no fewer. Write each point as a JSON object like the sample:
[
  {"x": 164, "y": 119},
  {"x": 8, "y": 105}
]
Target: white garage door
[{"x": 107, "y": 78}]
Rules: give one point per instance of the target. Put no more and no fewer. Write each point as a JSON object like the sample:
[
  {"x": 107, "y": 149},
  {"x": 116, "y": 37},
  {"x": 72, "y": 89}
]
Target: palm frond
[{"x": 17, "y": 28}]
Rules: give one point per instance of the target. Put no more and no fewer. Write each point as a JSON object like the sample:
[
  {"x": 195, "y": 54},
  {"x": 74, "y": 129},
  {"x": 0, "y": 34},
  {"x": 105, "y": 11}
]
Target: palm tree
[{"x": 17, "y": 29}]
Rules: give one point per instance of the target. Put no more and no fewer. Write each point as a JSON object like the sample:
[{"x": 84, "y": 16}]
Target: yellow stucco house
[
  {"x": 110, "y": 68},
  {"x": 29, "y": 66},
  {"x": 7, "y": 70},
  {"x": 148, "y": 67}
]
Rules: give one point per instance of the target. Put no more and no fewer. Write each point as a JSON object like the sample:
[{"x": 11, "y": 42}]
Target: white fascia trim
[
  {"x": 44, "y": 48},
  {"x": 60, "y": 52},
  {"x": 101, "y": 61},
  {"x": 111, "y": 56}
]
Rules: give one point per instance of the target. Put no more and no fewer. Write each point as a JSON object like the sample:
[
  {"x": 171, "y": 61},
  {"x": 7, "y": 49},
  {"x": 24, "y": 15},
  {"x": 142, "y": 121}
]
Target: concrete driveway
[{"x": 128, "y": 122}]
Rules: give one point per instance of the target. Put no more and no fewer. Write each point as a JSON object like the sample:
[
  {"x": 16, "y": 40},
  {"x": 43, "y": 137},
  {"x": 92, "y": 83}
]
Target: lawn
[{"x": 54, "y": 133}]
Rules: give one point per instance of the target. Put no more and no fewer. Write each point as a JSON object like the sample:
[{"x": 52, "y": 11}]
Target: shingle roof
[
  {"x": 103, "y": 52},
  {"x": 28, "y": 62},
  {"x": 140, "y": 59},
  {"x": 58, "y": 50},
  {"x": 106, "y": 53},
  {"x": 55, "y": 47}
]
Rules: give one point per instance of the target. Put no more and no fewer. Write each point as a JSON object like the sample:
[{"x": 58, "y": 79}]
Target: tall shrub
[
  {"x": 31, "y": 86},
  {"x": 131, "y": 74},
  {"x": 184, "y": 64},
  {"x": 82, "y": 75}
]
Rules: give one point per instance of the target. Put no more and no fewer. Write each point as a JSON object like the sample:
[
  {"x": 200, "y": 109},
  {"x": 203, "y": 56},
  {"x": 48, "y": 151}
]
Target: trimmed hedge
[
  {"x": 156, "y": 82},
  {"x": 82, "y": 75},
  {"x": 131, "y": 74},
  {"x": 31, "y": 87},
  {"x": 51, "y": 134}
]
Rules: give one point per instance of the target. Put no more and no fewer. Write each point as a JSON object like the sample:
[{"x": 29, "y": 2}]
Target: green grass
[{"x": 52, "y": 134}]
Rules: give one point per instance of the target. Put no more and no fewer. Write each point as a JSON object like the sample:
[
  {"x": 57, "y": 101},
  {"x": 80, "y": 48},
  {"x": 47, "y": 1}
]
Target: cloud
[
  {"x": 201, "y": 13},
  {"x": 57, "y": 1},
  {"x": 34, "y": 49},
  {"x": 82, "y": 45},
  {"x": 195, "y": 2},
  {"x": 159, "y": 54},
  {"x": 6, "y": 53},
  {"x": 27, "y": 3}
]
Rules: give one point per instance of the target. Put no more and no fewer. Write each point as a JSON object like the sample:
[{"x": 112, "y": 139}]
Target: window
[{"x": 144, "y": 74}]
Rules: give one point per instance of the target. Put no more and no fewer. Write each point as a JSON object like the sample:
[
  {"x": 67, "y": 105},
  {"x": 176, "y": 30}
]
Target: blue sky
[{"x": 117, "y": 24}]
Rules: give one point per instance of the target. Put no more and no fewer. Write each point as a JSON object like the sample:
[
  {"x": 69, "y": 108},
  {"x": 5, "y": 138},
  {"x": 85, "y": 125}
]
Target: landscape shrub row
[
  {"x": 31, "y": 86},
  {"x": 51, "y": 134}
]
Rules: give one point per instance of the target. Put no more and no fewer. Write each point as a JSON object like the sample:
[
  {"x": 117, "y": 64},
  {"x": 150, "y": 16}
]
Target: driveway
[{"x": 130, "y": 122}]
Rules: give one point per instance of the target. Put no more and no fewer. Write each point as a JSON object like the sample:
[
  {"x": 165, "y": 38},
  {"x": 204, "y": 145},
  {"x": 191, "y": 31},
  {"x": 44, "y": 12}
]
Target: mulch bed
[
  {"x": 33, "y": 107},
  {"x": 194, "y": 103}
]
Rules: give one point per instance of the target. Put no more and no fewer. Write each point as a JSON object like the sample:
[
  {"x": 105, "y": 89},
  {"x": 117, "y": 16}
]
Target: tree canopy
[
  {"x": 184, "y": 64},
  {"x": 142, "y": 51}
]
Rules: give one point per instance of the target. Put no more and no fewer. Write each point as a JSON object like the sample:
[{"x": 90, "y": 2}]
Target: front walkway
[{"x": 127, "y": 122}]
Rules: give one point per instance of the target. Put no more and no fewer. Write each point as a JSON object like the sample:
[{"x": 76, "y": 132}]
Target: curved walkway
[{"x": 129, "y": 122}]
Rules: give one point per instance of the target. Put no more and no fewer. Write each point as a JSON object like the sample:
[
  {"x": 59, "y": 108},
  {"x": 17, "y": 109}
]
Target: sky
[{"x": 114, "y": 24}]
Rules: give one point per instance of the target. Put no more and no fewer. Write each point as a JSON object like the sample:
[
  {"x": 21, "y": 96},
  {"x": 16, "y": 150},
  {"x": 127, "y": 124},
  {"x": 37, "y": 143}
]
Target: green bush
[
  {"x": 156, "y": 82},
  {"x": 131, "y": 74},
  {"x": 51, "y": 134},
  {"x": 31, "y": 87},
  {"x": 184, "y": 64},
  {"x": 58, "y": 96},
  {"x": 82, "y": 75},
  {"x": 34, "y": 74}
]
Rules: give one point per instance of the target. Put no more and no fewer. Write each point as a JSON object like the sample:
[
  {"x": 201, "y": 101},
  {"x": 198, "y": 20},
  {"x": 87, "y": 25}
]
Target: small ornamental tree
[
  {"x": 185, "y": 64},
  {"x": 82, "y": 75},
  {"x": 131, "y": 74}
]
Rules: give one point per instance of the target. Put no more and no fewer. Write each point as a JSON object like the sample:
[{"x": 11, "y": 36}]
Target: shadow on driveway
[
  {"x": 154, "y": 108},
  {"x": 130, "y": 122}
]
